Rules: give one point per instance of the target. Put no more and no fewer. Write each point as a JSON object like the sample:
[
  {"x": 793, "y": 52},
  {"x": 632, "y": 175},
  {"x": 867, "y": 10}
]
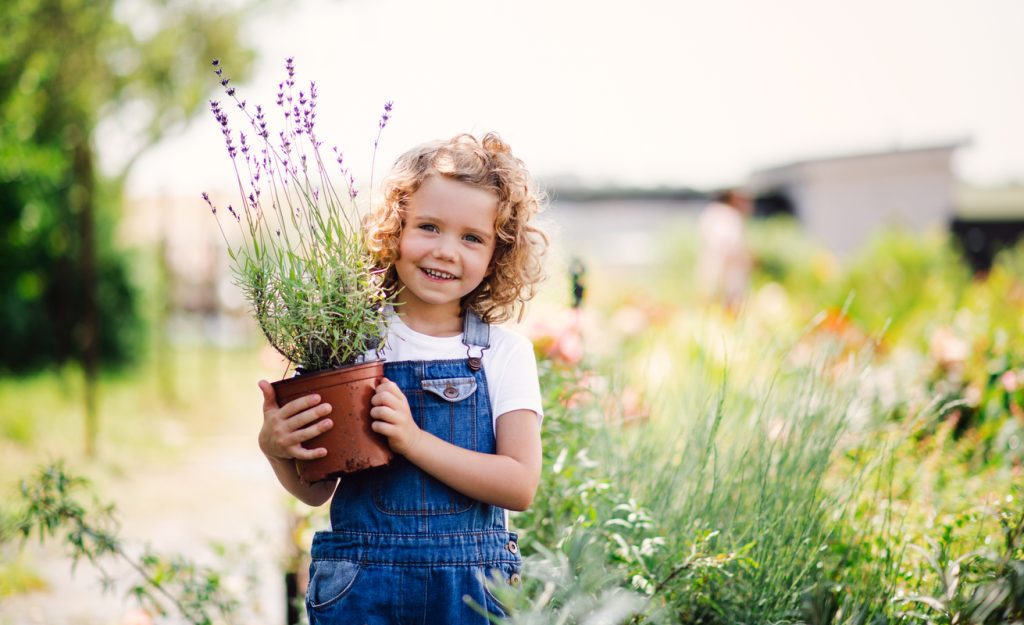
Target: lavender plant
[{"x": 301, "y": 260}]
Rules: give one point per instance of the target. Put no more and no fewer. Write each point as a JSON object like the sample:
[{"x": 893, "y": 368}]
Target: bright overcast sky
[{"x": 641, "y": 92}]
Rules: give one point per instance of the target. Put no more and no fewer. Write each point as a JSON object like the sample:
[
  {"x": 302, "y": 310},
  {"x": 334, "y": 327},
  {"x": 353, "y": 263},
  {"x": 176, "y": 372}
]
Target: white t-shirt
[{"x": 509, "y": 363}]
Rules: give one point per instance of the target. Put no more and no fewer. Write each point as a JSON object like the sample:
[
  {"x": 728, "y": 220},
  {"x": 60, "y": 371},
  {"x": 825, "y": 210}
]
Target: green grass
[
  {"x": 141, "y": 414},
  {"x": 788, "y": 471}
]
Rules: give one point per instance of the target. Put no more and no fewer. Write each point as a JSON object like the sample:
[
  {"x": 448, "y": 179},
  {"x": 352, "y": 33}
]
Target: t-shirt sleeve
[{"x": 517, "y": 384}]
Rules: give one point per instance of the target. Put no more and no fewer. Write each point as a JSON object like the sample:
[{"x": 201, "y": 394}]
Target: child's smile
[
  {"x": 446, "y": 246},
  {"x": 437, "y": 275}
]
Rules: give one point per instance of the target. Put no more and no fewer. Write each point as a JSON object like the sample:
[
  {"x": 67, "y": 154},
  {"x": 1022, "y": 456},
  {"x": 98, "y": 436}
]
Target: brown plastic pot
[{"x": 351, "y": 444}]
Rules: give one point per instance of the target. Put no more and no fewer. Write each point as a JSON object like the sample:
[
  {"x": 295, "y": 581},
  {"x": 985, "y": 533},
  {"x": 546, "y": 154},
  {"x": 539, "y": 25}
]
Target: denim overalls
[{"x": 405, "y": 548}]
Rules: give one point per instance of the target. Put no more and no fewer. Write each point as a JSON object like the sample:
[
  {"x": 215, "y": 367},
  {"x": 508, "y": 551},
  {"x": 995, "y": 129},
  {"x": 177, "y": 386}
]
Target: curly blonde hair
[{"x": 517, "y": 264}]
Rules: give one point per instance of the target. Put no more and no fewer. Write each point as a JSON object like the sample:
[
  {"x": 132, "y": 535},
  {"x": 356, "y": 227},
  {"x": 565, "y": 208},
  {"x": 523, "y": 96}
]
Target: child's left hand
[{"x": 393, "y": 418}]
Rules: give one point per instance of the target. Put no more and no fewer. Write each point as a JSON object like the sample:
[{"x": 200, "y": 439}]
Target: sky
[{"x": 681, "y": 93}]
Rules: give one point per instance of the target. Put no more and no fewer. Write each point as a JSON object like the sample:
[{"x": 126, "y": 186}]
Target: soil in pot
[{"x": 351, "y": 444}]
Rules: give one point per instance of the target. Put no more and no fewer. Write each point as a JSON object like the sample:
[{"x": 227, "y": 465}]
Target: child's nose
[{"x": 445, "y": 249}]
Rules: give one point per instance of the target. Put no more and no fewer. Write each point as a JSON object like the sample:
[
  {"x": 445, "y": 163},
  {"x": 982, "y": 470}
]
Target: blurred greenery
[
  {"x": 66, "y": 68},
  {"x": 845, "y": 450}
]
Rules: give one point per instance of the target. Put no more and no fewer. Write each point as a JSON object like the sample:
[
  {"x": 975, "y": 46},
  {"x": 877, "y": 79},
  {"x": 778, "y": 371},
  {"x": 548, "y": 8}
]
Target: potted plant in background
[{"x": 301, "y": 262}]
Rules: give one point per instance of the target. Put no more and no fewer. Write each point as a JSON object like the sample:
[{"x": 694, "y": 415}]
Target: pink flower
[
  {"x": 948, "y": 349},
  {"x": 560, "y": 339},
  {"x": 1010, "y": 381}
]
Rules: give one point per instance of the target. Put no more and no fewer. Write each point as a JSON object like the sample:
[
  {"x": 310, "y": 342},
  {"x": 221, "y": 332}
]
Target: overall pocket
[
  {"x": 329, "y": 582},
  {"x": 497, "y": 582},
  {"x": 447, "y": 408}
]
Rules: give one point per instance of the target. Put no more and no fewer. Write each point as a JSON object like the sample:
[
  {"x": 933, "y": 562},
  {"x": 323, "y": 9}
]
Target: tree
[{"x": 66, "y": 66}]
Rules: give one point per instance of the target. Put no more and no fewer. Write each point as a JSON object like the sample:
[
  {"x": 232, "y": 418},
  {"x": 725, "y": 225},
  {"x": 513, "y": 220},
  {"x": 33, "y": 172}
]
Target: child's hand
[
  {"x": 393, "y": 419},
  {"x": 286, "y": 428}
]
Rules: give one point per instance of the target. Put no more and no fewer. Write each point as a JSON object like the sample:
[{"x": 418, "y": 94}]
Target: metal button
[
  {"x": 515, "y": 579},
  {"x": 513, "y": 546},
  {"x": 475, "y": 363},
  {"x": 451, "y": 392}
]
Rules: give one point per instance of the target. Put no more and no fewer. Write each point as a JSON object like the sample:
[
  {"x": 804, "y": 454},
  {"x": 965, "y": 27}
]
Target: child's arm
[
  {"x": 284, "y": 430},
  {"x": 507, "y": 478}
]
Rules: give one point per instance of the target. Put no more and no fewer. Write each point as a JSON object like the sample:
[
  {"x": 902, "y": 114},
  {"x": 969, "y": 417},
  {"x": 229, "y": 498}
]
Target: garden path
[{"x": 220, "y": 489}]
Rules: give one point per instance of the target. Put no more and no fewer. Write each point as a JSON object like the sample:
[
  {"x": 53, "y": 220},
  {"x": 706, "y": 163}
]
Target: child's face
[{"x": 446, "y": 245}]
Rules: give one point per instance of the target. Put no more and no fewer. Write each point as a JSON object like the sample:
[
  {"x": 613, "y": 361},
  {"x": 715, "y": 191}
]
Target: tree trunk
[
  {"x": 164, "y": 351},
  {"x": 83, "y": 199}
]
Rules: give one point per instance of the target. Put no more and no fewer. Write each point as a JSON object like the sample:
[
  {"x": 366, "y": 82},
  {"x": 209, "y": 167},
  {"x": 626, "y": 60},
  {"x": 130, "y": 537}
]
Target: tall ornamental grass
[{"x": 720, "y": 505}]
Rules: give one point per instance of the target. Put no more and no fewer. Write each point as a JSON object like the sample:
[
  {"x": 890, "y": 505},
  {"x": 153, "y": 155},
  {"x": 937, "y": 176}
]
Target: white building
[{"x": 842, "y": 201}]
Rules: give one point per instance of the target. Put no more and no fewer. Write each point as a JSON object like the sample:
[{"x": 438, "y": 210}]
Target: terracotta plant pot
[{"x": 351, "y": 444}]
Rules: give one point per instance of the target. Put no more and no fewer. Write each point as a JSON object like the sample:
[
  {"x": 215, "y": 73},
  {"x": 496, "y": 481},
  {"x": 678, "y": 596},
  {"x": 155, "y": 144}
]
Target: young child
[{"x": 460, "y": 402}]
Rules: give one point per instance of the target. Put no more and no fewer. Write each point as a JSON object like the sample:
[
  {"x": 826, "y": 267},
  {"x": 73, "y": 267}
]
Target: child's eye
[
  {"x": 472, "y": 238},
  {"x": 428, "y": 227}
]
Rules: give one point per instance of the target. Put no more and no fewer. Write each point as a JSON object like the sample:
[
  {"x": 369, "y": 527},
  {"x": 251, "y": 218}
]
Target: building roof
[{"x": 948, "y": 146}]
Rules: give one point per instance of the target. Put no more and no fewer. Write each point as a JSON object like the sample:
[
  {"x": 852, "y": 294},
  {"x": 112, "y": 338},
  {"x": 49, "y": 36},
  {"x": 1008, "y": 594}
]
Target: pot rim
[{"x": 353, "y": 367}]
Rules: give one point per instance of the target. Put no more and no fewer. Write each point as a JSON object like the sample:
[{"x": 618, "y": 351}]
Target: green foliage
[
  {"x": 901, "y": 282},
  {"x": 570, "y": 585},
  {"x": 66, "y": 67},
  {"x": 982, "y": 587},
  {"x": 717, "y": 515},
  {"x": 784, "y": 255},
  {"x": 53, "y": 507},
  {"x": 791, "y": 487}
]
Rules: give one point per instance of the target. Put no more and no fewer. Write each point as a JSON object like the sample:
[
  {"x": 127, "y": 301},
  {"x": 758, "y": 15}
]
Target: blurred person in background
[{"x": 724, "y": 260}]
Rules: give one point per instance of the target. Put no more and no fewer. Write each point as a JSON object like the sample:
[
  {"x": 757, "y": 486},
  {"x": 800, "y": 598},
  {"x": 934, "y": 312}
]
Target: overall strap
[{"x": 475, "y": 333}]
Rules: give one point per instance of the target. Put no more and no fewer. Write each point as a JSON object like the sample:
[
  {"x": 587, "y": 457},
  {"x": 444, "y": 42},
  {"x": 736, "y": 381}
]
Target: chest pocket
[{"x": 447, "y": 408}]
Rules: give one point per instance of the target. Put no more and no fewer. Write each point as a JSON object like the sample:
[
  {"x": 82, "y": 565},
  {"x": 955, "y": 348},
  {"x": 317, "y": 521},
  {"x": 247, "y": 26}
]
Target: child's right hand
[{"x": 286, "y": 427}]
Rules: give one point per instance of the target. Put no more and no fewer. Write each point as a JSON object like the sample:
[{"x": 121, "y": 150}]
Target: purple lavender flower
[
  {"x": 260, "y": 122},
  {"x": 206, "y": 196},
  {"x": 387, "y": 114},
  {"x": 222, "y": 119},
  {"x": 233, "y": 213},
  {"x": 308, "y": 113}
]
